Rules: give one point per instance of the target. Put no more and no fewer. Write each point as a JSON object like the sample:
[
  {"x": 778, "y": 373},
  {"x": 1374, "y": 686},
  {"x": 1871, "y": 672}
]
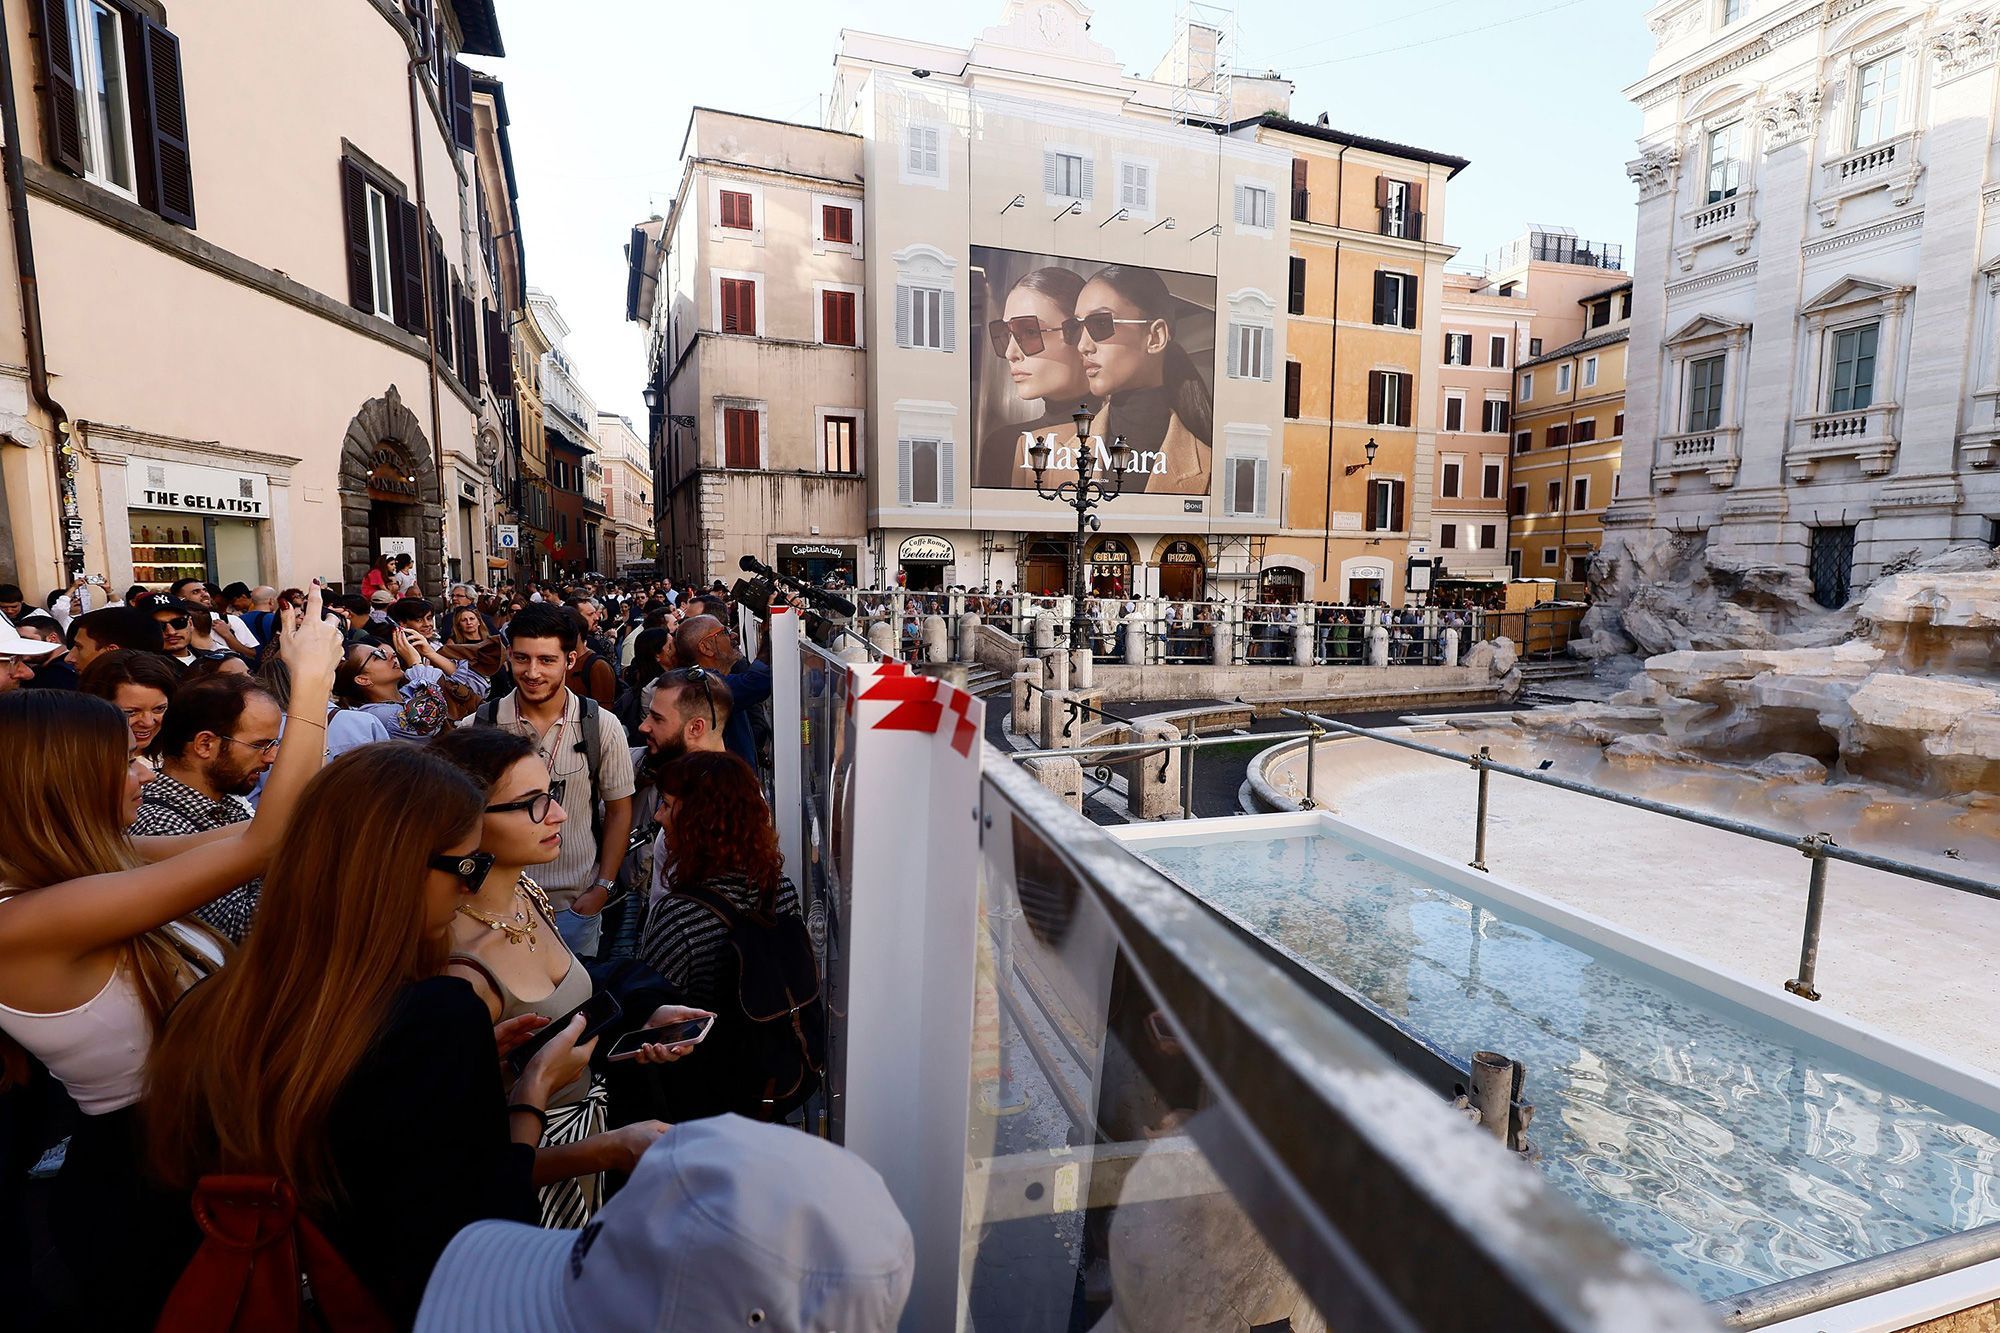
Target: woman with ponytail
[
  {"x": 97, "y": 939},
  {"x": 1154, "y": 394}
]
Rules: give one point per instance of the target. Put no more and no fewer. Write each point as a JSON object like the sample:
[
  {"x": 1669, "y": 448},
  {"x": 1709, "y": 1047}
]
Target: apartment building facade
[
  {"x": 1364, "y": 302},
  {"x": 576, "y": 506},
  {"x": 259, "y": 342},
  {"x": 1485, "y": 336},
  {"x": 627, "y": 488},
  {"x": 1569, "y": 432},
  {"x": 1816, "y": 350},
  {"x": 1048, "y": 233},
  {"x": 753, "y": 290}
]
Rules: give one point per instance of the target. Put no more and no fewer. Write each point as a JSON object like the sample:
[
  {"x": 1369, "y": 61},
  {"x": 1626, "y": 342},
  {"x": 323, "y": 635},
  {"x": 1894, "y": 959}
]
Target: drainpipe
[
  {"x": 1332, "y": 382},
  {"x": 62, "y": 452},
  {"x": 420, "y": 54}
]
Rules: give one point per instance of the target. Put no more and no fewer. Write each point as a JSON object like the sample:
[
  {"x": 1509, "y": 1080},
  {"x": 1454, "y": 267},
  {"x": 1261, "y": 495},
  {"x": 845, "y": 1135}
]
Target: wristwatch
[{"x": 606, "y": 884}]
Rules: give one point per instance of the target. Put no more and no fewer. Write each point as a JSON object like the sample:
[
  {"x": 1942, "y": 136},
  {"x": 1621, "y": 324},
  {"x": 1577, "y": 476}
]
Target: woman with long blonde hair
[
  {"x": 96, "y": 938},
  {"x": 333, "y": 1055}
]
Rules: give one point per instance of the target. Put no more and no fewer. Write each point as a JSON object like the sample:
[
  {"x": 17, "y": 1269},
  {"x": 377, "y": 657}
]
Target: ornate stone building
[{"x": 1815, "y": 355}]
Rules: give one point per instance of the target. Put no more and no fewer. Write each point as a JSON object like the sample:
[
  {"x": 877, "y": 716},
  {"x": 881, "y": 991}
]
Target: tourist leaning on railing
[{"x": 95, "y": 944}]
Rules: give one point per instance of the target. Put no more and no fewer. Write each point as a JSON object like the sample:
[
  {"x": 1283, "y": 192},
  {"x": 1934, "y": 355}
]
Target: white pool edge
[{"x": 1885, "y": 1312}]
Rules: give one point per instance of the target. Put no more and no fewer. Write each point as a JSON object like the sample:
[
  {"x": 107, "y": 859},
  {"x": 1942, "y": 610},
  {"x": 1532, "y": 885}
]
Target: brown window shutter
[
  {"x": 1293, "y": 384},
  {"x": 468, "y": 338},
  {"x": 1395, "y": 506},
  {"x": 1416, "y": 196},
  {"x": 354, "y": 208},
  {"x": 440, "y": 301},
  {"x": 1409, "y": 310},
  {"x": 409, "y": 239},
  {"x": 731, "y": 318},
  {"x": 165, "y": 138},
  {"x": 461, "y": 106},
  {"x": 1403, "y": 401},
  {"x": 1296, "y": 295},
  {"x": 1298, "y": 173},
  {"x": 1368, "y": 506},
  {"x": 1375, "y": 395},
  {"x": 499, "y": 354},
  {"x": 62, "y": 130},
  {"x": 1381, "y": 192}
]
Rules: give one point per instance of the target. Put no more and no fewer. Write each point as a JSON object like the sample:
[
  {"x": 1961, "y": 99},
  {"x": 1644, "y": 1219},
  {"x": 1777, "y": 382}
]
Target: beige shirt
[{"x": 562, "y": 749}]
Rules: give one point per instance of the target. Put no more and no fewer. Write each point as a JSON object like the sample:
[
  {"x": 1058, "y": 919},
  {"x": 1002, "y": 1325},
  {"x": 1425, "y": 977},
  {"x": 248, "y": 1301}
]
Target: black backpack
[{"x": 767, "y": 1052}]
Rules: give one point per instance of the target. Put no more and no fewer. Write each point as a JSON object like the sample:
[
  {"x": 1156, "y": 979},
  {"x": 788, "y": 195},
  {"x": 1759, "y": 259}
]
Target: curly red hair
[{"x": 721, "y": 828}]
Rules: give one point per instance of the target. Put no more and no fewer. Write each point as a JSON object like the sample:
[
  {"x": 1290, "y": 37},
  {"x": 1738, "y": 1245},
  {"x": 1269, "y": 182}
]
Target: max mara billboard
[{"x": 1137, "y": 345}]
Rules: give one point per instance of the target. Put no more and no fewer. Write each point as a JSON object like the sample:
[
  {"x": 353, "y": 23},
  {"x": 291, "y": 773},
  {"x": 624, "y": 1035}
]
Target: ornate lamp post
[{"x": 1084, "y": 494}]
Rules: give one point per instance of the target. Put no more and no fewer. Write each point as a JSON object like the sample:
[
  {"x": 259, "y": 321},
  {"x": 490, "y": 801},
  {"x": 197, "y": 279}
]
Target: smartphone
[
  {"x": 599, "y": 1012},
  {"x": 687, "y": 1030}
]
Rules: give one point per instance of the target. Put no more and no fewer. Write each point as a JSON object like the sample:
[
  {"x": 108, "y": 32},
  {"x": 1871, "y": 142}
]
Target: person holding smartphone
[
  {"x": 335, "y": 1055},
  {"x": 505, "y": 944}
]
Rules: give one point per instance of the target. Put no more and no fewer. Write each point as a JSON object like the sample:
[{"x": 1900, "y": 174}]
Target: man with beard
[
  {"x": 687, "y": 715},
  {"x": 585, "y": 748},
  {"x": 703, "y": 641},
  {"x": 219, "y": 736}
]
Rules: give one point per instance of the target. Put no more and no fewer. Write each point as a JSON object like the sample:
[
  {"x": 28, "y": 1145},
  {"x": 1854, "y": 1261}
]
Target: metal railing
[{"x": 1817, "y": 848}]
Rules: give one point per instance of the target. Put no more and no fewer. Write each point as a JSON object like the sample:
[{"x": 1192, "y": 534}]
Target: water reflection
[{"x": 1702, "y": 1139}]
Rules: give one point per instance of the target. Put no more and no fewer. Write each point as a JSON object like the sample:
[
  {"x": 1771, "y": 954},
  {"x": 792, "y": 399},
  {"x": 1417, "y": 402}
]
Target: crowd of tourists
[{"x": 387, "y": 959}]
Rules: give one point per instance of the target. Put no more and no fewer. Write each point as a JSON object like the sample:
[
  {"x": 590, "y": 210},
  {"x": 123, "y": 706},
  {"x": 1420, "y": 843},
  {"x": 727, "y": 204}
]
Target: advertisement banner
[{"x": 1136, "y": 346}]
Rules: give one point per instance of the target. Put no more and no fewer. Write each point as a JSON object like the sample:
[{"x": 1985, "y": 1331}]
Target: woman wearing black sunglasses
[
  {"x": 1154, "y": 396},
  {"x": 1044, "y": 369},
  {"x": 504, "y": 942}
]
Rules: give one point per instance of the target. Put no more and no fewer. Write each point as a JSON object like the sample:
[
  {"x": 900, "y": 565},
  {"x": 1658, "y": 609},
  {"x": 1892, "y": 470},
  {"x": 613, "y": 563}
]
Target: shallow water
[{"x": 1728, "y": 1150}]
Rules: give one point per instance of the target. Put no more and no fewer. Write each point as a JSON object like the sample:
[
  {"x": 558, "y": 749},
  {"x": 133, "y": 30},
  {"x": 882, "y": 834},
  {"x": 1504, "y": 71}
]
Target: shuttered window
[
  {"x": 926, "y": 318},
  {"x": 1517, "y": 501},
  {"x": 1496, "y": 351},
  {"x": 739, "y": 305},
  {"x": 1458, "y": 349},
  {"x": 1249, "y": 351},
  {"x": 836, "y": 453},
  {"x": 1489, "y": 536},
  {"x": 920, "y": 154},
  {"x": 1067, "y": 175},
  {"x": 739, "y": 437},
  {"x": 924, "y": 471},
  {"x": 1489, "y": 479},
  {"x": 1555, "y": 497},
  {"x": 1293, "y": 384},
  {"x": 1246, "y": 480},
  {"x": 112, "y": 104},
  {"x": 735, "y": 210},
  {"x": 1295, "y": 296},
  {"x": 468, "y": 337},
  {"x": 1388, "y": 398},
  {"x": 1135, "y": 186},
  {"x": 499, "y": 353},
  {"x": 385, "y": 249},
  {"x": 1300, "y": 197},
  {"x": 1384, "y": 511},
  {"x": 1395, "y": 300},
  {"x": 1253, "y": 206},
  {"x": 836, "y": 224},
  {"x": 1705, "y": 393},
  {"x": 1585, "y": 432},
  {"x": 461, "y": 107},
  {"x": 441, "y": 312},
  {"x": 1448, "y": 536},
  {"x": 836, "y": 311},
  {"x": 1559, "y": 436},
  {"x": 1454, "y": 413},
  {"x": 1495, "y": 416},
  {"x": 1853, "y": 386},
  {"x": 1448, "y": 481}
]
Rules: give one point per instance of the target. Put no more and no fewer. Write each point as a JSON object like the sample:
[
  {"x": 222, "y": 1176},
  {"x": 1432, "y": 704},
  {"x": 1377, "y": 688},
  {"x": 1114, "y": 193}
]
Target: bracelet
[
  {"x": 541, "y": 1116},
  {"x": 294, "y": 717}
]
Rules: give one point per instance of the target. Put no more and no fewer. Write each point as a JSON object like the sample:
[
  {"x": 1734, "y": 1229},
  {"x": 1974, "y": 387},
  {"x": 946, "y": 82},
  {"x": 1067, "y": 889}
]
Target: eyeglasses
[
  {"x": 704, "y": 681},
  {"x": 1025, "y": 330},
  {"x": 470, "y": 868},
  {"x": 178, "y": 622},
  {"x": 261, "y": 747},
  {"x": 1099, "y": 324},
  {"x": 537, "y": 805}
]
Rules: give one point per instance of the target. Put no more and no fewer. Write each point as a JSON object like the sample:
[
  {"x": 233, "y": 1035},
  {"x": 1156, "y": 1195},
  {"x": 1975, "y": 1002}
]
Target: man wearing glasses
[
  {"x": 704, "y": 642},
  {"x": 172, "y": 615},
  {"x": 219, "y": 737}
]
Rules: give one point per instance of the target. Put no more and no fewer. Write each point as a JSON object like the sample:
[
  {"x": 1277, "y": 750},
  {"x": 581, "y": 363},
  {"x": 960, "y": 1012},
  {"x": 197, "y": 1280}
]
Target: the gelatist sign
[{"x": 192, "y": 489}]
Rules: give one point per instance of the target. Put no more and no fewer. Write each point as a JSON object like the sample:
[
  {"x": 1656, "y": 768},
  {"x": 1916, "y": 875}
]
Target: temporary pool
[{"x": 1734, "y": 1142}]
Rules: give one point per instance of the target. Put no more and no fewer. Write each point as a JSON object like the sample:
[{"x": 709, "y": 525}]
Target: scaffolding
[{"x": 1201, "y": 65}]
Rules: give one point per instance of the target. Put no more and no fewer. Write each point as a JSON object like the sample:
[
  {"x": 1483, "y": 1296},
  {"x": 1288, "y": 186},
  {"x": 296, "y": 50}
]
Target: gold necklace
[{"x": 521, "y": 928}]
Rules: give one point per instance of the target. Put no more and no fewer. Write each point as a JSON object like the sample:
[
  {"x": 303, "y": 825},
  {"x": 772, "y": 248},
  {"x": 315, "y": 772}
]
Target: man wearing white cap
[
  {"x": 18, "y": 654},
  {"x": 726, "y": 1224}
]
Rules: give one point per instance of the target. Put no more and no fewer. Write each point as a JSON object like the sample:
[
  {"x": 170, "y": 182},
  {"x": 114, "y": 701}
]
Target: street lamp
[
  {"x": 1369, "y": 449},
  {"x": 1084, "y": 494}
]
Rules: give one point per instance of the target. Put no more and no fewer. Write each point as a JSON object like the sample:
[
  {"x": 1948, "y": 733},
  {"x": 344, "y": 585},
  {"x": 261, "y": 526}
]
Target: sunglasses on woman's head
[
  {"x": 1025, "y": 330},
  {"x": 1099, "y": 324},
  {"x": 470, "y": 868}
]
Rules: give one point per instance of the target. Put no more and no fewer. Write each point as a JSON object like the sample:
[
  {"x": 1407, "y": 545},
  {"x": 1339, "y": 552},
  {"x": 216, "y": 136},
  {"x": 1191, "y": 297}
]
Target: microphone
[{"x": 750, "y": 564}]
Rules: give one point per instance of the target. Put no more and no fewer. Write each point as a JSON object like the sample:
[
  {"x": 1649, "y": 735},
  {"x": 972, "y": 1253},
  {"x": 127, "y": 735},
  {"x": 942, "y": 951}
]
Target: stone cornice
[
  {"x": 1715, "y": 279},
  {"x": 1886, "y": 227}
]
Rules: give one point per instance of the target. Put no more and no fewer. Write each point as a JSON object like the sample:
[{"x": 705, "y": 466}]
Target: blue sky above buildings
[{"x": 599, "y": 92}]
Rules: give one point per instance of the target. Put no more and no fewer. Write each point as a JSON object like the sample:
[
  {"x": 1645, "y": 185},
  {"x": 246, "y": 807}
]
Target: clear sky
[{"x": 599, "y": 93}]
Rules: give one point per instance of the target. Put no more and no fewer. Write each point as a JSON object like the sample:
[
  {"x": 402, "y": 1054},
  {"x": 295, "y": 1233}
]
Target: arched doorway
[
  {"x": 389, "y": 491},
  {"x": 1183, "y": 572},
  {"x": 1045, "y": 568},
  {"x": 1280, "y": 584},
  {"x": 1110, "y": 567}
]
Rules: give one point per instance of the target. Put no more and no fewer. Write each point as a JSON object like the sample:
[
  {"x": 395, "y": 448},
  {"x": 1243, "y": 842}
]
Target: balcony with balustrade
[
  {"x": 1716, "y": 452},
  {"x": 1864, "y": 435},
  {"x": 1731, "y": 221},
  {"x": 1891, "y": 165}
]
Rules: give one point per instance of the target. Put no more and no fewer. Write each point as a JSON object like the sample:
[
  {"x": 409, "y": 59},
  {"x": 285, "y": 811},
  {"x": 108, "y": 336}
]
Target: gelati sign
[
  {"x": 925, "y": 549},
  {"x": 190, "y": 489}
]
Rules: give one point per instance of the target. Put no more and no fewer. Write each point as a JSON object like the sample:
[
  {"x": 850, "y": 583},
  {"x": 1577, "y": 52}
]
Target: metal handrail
[
  {"x": 1354, "y": 1175},
  {"x": 1818, "y": 848}
]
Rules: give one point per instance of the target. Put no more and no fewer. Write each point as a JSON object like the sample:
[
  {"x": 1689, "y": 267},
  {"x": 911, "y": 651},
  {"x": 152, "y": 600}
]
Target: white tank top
[{"x": 98, "y": 1049}]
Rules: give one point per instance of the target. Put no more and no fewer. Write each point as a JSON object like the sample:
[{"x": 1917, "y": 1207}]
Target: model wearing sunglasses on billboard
[
  {"x": 1043, "y": 365},
  {"x": 1152, "y": 393}
]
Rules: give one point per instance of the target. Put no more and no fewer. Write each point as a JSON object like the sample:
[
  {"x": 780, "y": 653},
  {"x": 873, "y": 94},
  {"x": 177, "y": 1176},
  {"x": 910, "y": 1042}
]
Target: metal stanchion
[
  {"x": 1312, "y": 753},
  {"x": 1187, "y": 781},
  {"x": 1479, "y": 827},
  {"x": 1814, "y": 848}
]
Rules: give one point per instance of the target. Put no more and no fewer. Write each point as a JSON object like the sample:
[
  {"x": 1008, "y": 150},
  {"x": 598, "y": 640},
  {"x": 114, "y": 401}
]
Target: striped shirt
[{"x": 684, "y": 940}]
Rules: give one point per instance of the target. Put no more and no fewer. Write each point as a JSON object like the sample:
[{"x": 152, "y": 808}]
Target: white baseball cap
[
  {"x": 725, "y": 1224},
  {"x": 15, "y": 644}
]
